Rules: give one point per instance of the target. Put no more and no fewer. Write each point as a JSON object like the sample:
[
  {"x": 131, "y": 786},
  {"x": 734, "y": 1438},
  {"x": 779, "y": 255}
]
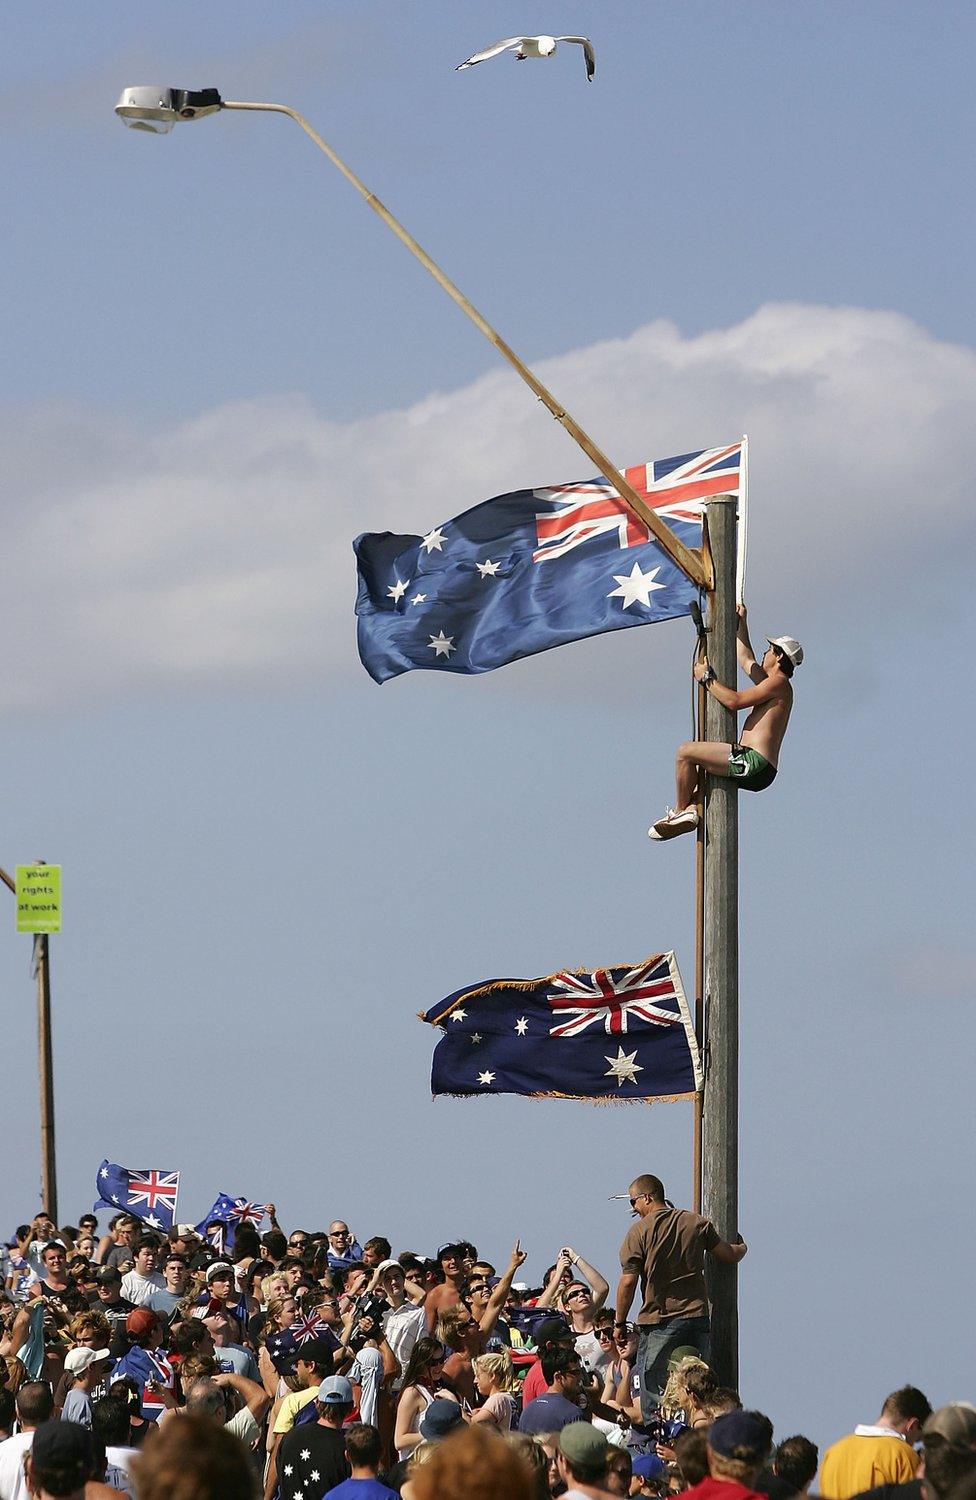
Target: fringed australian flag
[{"x": 618, "y": 1033}]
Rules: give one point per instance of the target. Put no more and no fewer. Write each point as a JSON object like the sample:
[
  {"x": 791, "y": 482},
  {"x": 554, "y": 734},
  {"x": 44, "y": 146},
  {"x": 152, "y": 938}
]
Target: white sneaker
[{"x": 673, "y": 823}]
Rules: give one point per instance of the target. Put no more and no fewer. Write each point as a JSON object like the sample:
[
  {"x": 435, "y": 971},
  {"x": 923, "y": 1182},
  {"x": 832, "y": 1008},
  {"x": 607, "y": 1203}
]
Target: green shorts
[{"x": 750, "y": 771}]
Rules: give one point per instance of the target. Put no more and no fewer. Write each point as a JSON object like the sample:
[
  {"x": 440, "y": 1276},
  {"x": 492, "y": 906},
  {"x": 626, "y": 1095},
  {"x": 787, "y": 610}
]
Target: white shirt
[
  {"x": 120, "y": 1458},
  {"x": 138, "y": 1289},
  {"x": 13, "y": 1486},
  {"x": 403, "y": 1326}
]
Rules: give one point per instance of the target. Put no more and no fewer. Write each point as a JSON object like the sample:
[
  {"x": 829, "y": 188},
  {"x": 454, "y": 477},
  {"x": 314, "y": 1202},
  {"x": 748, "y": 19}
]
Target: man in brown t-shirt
[{"x": 665, "y": 1250}]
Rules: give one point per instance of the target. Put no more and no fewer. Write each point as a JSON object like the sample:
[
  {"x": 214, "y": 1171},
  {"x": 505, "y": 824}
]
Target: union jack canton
[
  {"x": 149, "y": 1194},
  {"x": 643, "y": 995}
]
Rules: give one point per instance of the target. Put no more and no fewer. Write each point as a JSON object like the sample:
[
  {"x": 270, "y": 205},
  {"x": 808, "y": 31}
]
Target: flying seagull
[{"x": 534, "y": 46}]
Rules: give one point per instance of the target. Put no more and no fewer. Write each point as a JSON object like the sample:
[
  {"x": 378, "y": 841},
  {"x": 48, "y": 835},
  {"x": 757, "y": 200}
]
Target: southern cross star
[
  {"x": 103, "y": 1172},
  {"x": 488, "y": 569},
  {"x": 458, "y": 1015},
  {"x": 418, "y": 598},
  {"x": 434, "y": 540},
  {"x": 486, "y": 1078},
  {"x": 623, "y": 1067},
  {"x": 398, "y": 589},
  {"x": 635, "y": 587},
  {"x": 522, "y": 1025},
  {"x": 442, "y": 645},
  {"x": 476, "y": 1037}
]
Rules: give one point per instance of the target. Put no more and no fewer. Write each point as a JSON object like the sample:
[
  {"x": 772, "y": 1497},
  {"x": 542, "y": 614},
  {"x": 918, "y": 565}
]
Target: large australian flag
[
  {"x": 623, "y": 1032},
  {"x": 534, "y": 569}
]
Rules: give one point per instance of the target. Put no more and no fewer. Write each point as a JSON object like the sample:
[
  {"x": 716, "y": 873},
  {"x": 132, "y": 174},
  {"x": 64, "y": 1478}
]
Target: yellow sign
[{"x": 38, "y": 898}]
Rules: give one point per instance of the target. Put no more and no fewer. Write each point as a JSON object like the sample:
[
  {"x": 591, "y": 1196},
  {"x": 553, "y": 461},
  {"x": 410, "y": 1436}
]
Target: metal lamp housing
[{"x": 156, "y": 109}]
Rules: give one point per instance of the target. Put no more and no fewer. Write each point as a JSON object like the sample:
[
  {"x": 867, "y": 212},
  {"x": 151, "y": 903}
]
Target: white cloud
[{"x": 218, "y": 551}]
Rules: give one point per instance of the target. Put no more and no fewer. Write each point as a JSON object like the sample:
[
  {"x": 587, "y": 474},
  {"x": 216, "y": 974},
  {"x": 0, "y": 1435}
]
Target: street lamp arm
[{"x": 694, "y": 564}]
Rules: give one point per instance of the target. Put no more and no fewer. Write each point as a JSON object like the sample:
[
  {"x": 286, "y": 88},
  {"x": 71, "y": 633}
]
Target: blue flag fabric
[
  {"x": 534, "y": 569},
  {"x": 148, "y": 1194},
  {"x": 230, "y": 1212},
  {"x": 618, "y": 1033}
]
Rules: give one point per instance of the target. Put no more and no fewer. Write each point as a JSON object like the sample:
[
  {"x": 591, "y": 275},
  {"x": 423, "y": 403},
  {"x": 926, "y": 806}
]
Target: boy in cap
[
  {"x": 61, "y": 1461},
  {"x": 581, "y": 1459},
  {"x": 949, "y": 1439},
  {"x": 752, "y": 761},
  {"x": 87, "y": 1367},
  {"x": 312, "y": 1457},
  {"x": 738, "y": 1446}
]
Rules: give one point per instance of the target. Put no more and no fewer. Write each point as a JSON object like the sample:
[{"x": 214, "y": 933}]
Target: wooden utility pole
[
  {"x": 45, "y": 1063},
  {"x": 720, "y": 1116}
]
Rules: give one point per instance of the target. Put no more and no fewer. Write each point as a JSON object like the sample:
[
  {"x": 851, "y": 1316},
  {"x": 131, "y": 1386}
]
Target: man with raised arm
[
  {"x": 665, "y": 1253},
  {"x": 752, "y": 761}
]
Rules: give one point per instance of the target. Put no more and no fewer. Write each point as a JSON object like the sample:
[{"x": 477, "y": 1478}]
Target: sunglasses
[
  {"x": 571, "y": 1296},
  {"x": 297, "y": 1244},
  {"x": 604, "y": 1333}
]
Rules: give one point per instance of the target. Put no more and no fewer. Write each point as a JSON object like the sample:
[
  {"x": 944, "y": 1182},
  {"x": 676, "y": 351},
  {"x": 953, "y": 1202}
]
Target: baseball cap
[
  {"x": 955, "y": 1423},
  {"x": 788, "y": 646},
  {"x": 580, "y": 1442},
  {"x": 140, "y": 1322},
  {"x": 550, "y": 1330},
  {"x": 335, "y": 1390},
  {"x": 440, "y": 1418},
  {"x": 649, "y": 1466},
  {"x": 389, "y": 1265},
  {"x": 220, "y": 1268},
  {"x": 684, "y": 1351},
  {"x": 315, "y": 1352},
  {"x": 63, "y": 1446},
  {"x": 108, "y": 1276},
  {"x": 737, "y": 1434},
  {"x": 77, "y": 1361}
]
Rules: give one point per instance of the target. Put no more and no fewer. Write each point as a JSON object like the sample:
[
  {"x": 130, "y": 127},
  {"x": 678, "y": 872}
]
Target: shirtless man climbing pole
[{"x": 752, "y": 762}]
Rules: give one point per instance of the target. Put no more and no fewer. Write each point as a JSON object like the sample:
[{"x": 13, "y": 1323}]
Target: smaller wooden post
[{"x": 45, "y": 1063}]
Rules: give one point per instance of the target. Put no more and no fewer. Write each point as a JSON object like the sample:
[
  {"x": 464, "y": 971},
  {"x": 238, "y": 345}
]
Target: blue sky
[{"x": 221, "y": 368}]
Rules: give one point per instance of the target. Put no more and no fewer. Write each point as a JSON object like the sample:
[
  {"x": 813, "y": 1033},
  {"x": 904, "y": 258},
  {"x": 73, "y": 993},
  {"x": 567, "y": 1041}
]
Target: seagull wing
[
  {"x": 588, "y": 53},
  {"x": 493, "y": 51}
]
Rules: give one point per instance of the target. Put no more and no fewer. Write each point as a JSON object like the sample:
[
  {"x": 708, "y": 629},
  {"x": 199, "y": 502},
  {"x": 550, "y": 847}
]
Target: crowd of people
[{"x": 233, "y": 1364}]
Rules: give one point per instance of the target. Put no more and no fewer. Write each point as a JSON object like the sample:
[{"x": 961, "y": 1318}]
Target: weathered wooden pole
[
  {"x": 45, "y": 1064},
  {"x": 720, "y": 1117}
]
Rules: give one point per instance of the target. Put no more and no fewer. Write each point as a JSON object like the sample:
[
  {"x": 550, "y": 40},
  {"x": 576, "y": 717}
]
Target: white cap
[
  {"x": 788, "y": 646},
  {"x": 77, "y": 1361}
]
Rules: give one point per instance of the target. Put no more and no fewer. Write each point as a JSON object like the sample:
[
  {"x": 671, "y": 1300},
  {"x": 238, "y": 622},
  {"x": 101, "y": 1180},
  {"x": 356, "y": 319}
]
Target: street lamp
[{"x": 156, "y": 109}]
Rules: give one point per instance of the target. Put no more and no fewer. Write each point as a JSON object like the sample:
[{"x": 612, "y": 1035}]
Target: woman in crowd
[
  {"x": 281, "y": 1314},
  {"x": 494, "y": 1377},
  {"x": 421, "y": 1383}
]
